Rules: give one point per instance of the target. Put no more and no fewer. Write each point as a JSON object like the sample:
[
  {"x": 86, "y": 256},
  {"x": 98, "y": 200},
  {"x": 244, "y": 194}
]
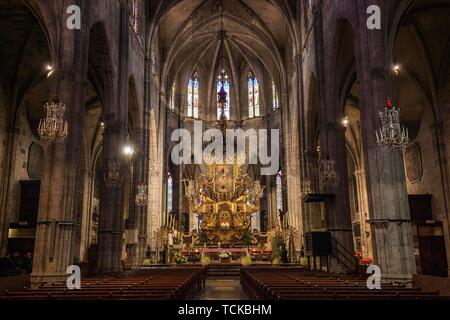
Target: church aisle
[{"x": 223, "y": 289}]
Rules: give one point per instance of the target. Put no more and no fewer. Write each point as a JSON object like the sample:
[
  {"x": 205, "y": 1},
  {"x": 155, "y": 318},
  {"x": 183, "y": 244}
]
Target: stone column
[
  {"x": 338, "y": 210},
  {"x": 439, "y": 142},
  {"x": 313, "y": 217},
  {"x": 136, "y": 219},
  {"x": 111, "y": 221},
  {"x": 386, "y": 184},
  {"x": 111, "y": 224},
  {"x": 366, "y": 238},
  {"x": 291, "y": 181},
  {"x": 62, "y": 181},
  {"x": 6, "y": 187}
]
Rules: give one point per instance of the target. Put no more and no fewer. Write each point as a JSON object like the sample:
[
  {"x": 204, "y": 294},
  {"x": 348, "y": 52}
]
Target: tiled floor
[{"x": 223, "y": 289}]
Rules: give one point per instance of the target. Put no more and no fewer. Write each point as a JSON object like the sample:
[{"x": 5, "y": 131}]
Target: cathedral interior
[{"x": 98, "y": 101}]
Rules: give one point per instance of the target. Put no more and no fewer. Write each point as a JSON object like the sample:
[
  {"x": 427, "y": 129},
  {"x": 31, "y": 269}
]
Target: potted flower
[
  {"x": 205, "y": 261},
  {"x": 179, "y": 258},
  {"x": 224, "y": 257},
  {"x": 362, "y": 266},
  {"x": 146, "y": 263},
  {"x": 246, "y": 260}
]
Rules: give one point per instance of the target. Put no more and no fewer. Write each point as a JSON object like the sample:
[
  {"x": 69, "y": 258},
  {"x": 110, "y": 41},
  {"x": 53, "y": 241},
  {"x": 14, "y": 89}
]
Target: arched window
[
  {"x": 169, "y": 193},
  {"x": 275, "y": 101},
  {"x": 193, "y": 96},
  {"x": 134, "y": 15},
  {"x": 253, "y": 95},
  {"x": 279, "y": 184},
  {"x": 172, "y": 97},
  {"x": 224, "y": 79}
]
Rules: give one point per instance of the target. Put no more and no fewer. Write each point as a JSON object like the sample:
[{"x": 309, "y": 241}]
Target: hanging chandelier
[
  {"x": 391, "y": 134},
  {"x": 141, "y": 195},
  {"x": 113, "y": 172},
  {"x": 306, "y": 186},
  {"x": 328, "y": 174},
  {"x": 53, "y": 128}
]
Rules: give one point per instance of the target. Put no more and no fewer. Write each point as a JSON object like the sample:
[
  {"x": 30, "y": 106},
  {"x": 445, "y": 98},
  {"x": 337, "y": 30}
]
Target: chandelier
[
  {"x": 306, "y": 186},
  {"x": 328, "y": 174},
  {"x": 53, "y": 128},
  {"x": 113, "y": 172},
  {"x": 141, "y": 195},
  {"x": 391, "y": 134}
]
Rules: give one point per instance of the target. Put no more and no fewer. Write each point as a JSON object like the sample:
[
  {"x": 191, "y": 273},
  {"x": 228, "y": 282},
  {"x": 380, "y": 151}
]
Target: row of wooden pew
[
  {"x": 153, "y": 284},
  {"x": 296, "y": 284}
]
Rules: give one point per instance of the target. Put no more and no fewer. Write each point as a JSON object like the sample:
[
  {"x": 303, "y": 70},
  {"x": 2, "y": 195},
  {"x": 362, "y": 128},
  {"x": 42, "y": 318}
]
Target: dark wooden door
[{"x": 432, "y": 256}]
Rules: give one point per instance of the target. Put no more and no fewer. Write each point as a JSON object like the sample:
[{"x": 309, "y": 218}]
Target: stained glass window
[
  {"x": 193, "y": 96},
  {"x": 134, "y": 14},
  {"x": 172, "y": 98},
  {"x": 279, "y": 184},
  {"x": 276, "y": 102},
  {"x": 169, "y": 192},
  {"x": 224, "y": 79},
  {"x": 253, "y": 95}
]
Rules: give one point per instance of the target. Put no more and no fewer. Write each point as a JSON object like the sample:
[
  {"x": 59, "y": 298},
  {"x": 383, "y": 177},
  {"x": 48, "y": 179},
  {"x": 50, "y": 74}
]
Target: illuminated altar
[{"x": 224, "y": 199}]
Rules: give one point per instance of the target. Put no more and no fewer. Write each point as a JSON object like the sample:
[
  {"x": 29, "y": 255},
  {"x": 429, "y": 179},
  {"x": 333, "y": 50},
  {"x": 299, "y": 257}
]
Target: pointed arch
[
  {"x": 193, "y": 96},
  {"x": 253, "y": 95}
]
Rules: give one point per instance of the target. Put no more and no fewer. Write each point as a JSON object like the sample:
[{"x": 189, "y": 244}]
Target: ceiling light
[
  {"x": 396, "y": 68},
  {"x": 128, "y": 150},
  {"x": 346, "y": 122},
  {"x": 50, "y": 70}
]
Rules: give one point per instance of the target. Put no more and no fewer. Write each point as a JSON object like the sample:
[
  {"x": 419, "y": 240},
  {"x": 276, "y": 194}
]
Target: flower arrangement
[
  {"x": 180, "y": 258},
  {"x": 206, "y": 261},
  {"x": 146, "y": 263},
  {"x": 246, "y": 260},
  {"x": 276, "y": 261},
  {"x": 224, "y": 255},
  {"x": 365, "y": 261},
  {"x": 359, "y": 255}
]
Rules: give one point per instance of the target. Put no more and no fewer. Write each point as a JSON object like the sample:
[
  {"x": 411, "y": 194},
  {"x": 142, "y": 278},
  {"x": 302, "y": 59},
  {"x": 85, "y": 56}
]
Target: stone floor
[{"x": 223, "y": 289}]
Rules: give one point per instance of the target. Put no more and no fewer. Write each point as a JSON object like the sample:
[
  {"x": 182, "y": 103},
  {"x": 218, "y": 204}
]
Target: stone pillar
[
  {"x": 439, "y": 142},
  {"x": 111, "y": 224},
  {"x": 332, "y": 139},
  {"x": 137, "y": 213},
  {"x": 385, "y": 174},
  {"x": 313, "y": 216},
  {"x": 62, "y": 181},
  {"x": 6, "y": 187},
  {"x": 366, "y": 238},
  {"x": 338, "y": 210},
  {"x": 291, "y": 181},
  {"x": 156, "y": 170}
]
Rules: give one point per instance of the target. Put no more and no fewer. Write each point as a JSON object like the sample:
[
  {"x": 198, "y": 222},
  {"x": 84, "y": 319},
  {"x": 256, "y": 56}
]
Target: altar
[{"x": 224, "y": 198}]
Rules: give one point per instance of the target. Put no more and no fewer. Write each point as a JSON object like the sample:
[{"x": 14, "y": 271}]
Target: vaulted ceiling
[
  {"x": 23, "y": 48},
  {"x": 255, "y": 35}
]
